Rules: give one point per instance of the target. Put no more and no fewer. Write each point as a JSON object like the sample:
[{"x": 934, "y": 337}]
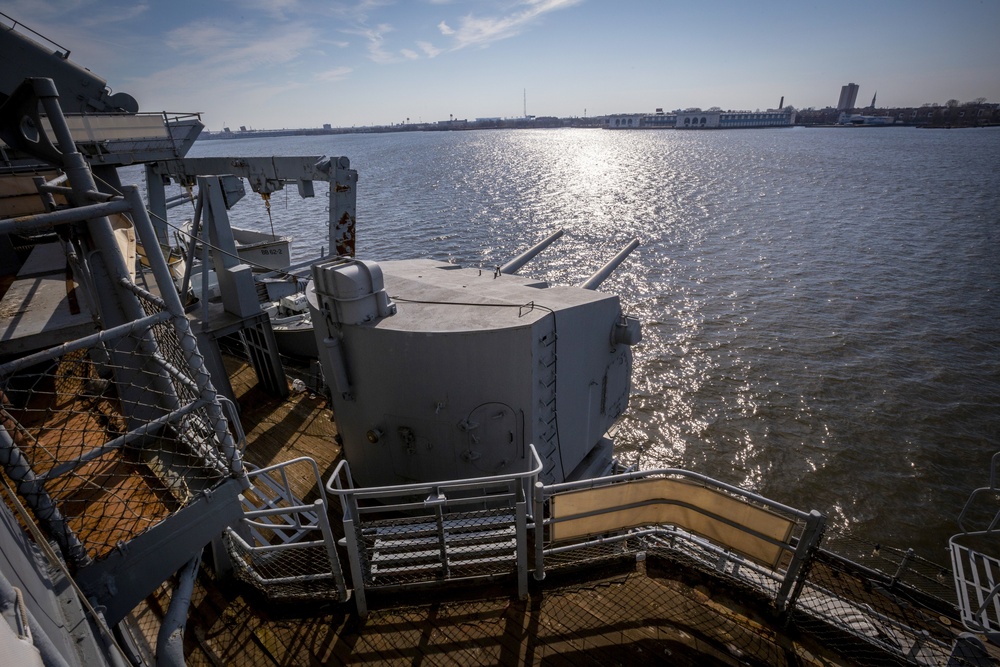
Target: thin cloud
[
  {"x": 227, "y": 52},
  {"x": 376, "y": 42},
  {"x": 335, "y": 74},
  {"x": 429, "y": 49},
  {"x": 481, "y": 31},
  {"x": 279, "y": 10},
  {"x": 119, "y": 14},
  {"x": 367, "y": 5},
  {"x": 91, "y": 14},
  {"x": 471, "y": 31},
  {"x": 356, "y": 12}
]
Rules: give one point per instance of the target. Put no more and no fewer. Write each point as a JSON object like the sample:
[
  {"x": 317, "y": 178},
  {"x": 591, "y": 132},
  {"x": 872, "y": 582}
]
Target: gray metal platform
[{"x": 43, "y": 306}]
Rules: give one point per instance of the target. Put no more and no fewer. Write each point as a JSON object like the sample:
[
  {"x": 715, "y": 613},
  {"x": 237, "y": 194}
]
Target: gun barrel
[
  {"x": 594, "y": 281},
  {"x": 513, "y": 265}
]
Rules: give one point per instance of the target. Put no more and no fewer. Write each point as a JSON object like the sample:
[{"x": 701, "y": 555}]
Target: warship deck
[
  {"x": 630, "y": 618},
  {"x": 617, "y": 610},
  {"x": 622, "y": 617},
  {"x": 620, "y": 612},
  {"x": 626, "y": 617},
  {"x": 624, "y": 612}
]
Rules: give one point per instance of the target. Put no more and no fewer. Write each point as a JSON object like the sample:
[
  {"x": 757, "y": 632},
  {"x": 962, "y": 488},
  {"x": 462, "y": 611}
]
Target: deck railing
[
  {"x": 677, "y": 511},
  {"x": 116, "y": 440},
  {"x": 398, "y": 536},
  {"x": 285, "y": 545},
  {"x": 441, "y": 531},
  {"x": 974, "y": 557},
  {"x": 427, "y": 534}
]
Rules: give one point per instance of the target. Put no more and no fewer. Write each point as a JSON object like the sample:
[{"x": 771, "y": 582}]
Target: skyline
[{"x": 272, "y": 64}]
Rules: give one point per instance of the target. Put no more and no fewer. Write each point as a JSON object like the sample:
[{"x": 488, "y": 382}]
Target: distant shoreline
[
  {"x": 945, "y": 117},
  {"x": 305, "y": 132}
]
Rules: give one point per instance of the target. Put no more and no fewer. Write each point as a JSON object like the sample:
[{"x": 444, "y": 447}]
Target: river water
[{"x": 821, "y": 307}]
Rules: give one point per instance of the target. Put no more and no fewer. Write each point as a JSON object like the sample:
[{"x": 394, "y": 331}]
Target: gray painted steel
[{"x": 440, "y": 372}]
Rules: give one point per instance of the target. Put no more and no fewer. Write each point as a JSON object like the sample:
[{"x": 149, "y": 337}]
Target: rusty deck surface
[
  {"x": 626, "y": 619},
  {"x": 622, "y": 611},
  {"x": 278, "y": 430}
]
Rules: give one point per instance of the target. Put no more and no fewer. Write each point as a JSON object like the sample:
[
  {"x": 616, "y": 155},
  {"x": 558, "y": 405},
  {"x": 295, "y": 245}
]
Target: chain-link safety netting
[{"x": 108, "y": 435}]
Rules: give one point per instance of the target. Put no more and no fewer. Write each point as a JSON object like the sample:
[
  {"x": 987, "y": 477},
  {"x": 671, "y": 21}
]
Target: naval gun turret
[{"x": 441, "y": 372}]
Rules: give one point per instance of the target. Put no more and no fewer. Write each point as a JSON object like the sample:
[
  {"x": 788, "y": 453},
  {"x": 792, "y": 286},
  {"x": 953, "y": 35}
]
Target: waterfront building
[
  {"x": 624, "y": 121},
  {"x": 707, "y": 120},
  {"x": 637, "y": 121},
  {"x": 688, "y": 120},
  {"x": 848, "y": 97}
]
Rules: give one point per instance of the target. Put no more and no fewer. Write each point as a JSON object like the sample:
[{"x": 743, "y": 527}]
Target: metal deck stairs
[
  {"x": 285, "y": 546},
  {"x": 467, "y": 546}
]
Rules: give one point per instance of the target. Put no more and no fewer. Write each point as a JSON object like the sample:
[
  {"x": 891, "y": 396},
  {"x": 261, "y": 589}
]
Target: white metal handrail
[
  {"x": 977, "y": 583},
  {"x": 977, "y": 574},
  {"x": 300, "y": 517},
  {"x": 432, "y": 499}
]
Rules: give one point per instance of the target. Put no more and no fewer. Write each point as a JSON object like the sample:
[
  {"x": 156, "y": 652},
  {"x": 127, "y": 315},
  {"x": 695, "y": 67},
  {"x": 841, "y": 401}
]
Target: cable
[{"x": 214, "y": 248}]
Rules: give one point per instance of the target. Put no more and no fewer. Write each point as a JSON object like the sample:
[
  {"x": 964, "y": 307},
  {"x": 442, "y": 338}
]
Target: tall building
[{"x": 848, "y": 97}]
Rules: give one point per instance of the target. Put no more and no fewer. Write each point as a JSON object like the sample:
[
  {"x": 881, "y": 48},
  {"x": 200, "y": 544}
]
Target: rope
[{"x": 266, "y": 196}]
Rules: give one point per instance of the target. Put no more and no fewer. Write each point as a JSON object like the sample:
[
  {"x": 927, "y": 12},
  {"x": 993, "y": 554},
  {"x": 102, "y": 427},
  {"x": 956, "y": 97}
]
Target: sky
[{"x": 272, "y": 64}]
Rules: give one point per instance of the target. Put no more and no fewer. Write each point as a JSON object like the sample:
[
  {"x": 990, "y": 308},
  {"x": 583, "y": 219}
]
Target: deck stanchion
[
  {"x": 809, "y": 539},
  {"x": 331, "y": 543},
  {"x": 350, "y": 504},
  {"x": 522, "y": 543},
  {"x": 32, "y": 489},
  {"x": 904, "y": 565},
  {"x": 539, "y": 531}
]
